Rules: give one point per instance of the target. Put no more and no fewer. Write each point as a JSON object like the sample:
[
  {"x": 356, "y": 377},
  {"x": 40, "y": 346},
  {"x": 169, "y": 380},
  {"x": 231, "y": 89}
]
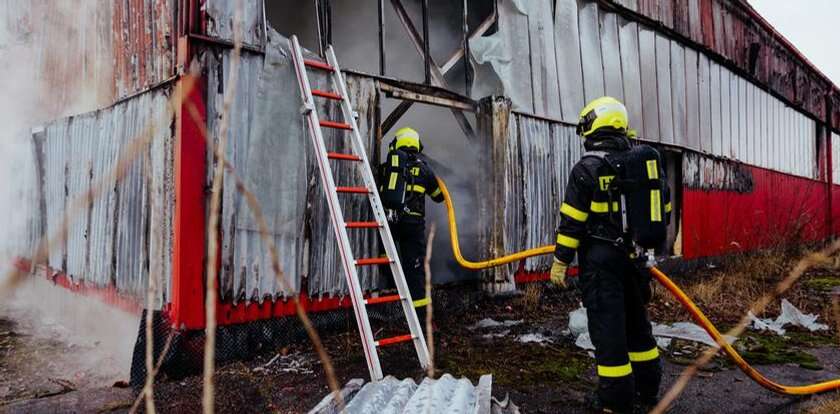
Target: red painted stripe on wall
[{"x": 780, "y": 208}]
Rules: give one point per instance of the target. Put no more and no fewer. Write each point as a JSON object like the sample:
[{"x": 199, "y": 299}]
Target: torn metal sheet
[
  {"x": 271, "y": 152},
  {"x": 523, "y": 44},
  {"x": 390, "y": 395},
  {"x": 221, "y": 15},
  {"x": 701, "y": 172}
]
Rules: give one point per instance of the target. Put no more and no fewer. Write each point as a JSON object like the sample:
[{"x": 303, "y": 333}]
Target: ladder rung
[
  {"x": 340, "y": 156},
  {"x": 336, "y": 125},
  {"x": 394, "y": 340},
  {"x": 318, "y": 65},
  {"x": 383, "y": 299},
  {"x": 325, "y": 94},
  {"x": 355, "y": 190},
  {"x": 373, "y": 261},
  {"x": 362, "y": 225}
]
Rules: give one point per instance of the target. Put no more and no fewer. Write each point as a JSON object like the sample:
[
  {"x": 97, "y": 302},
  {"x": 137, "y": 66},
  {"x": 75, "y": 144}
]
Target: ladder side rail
[
  {"x": 379, "y": 213},
  {"x": 336, "y": 214}
]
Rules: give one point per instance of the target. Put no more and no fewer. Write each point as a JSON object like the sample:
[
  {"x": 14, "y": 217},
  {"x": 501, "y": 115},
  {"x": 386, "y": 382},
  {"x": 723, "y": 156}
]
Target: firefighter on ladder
[
  {"x": 615, "y": 290},
  {"x": 405, "y": 179}
]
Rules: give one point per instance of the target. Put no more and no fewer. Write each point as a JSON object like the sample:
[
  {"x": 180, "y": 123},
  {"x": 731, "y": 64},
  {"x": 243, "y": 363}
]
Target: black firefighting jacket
[
  {"x": 422, "y": 181},
  {"x": 587, "y": 213}
]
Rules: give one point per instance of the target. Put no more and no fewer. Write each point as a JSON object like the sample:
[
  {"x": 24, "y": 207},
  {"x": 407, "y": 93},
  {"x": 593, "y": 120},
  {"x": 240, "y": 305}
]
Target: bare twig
[
  {"x": 151, "y": 294},
  {"x": 801, "y": 267},
  {"x": 430, "y": 335},
  {"x": 213, "y": 223}
]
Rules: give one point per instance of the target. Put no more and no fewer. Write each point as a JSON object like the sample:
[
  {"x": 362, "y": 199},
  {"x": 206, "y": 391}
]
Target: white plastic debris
[
  {"x": 790, "y": 316},
  {"x": 491, "y": 323},
  {"x": 537, "y": 338},
  {"x": 578, "y": 321},
  {"x": 687, "y": 331},
  {"x": 583, "y": 341},
  {"x": 493, "y": 335},
  {"x": 663, "y": 333}
]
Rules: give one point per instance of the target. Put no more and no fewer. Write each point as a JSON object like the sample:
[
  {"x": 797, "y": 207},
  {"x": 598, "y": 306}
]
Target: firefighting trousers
[
  {"x": 410, "y": 237},
  {"x": 615, "y": 294}
]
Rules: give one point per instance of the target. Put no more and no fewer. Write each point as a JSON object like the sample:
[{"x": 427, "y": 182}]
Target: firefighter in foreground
[
  {"x": 615, "y": 211},
  {"x": 405, "y": 179}
]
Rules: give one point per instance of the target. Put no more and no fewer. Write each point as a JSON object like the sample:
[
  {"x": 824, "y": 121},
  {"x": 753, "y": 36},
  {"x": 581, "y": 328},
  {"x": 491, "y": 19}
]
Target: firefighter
[
  {"x": 406, "y": 168},
  {"x": 614, "y": 287}
]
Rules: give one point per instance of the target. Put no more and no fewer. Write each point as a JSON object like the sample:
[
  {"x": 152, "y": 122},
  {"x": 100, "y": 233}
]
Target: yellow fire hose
[{"x": 660, "y": 277}]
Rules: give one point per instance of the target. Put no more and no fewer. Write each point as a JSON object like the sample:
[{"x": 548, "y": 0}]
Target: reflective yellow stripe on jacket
[
  {"x": 567, "y": 241},
  {"x": 574, "y": 213}
]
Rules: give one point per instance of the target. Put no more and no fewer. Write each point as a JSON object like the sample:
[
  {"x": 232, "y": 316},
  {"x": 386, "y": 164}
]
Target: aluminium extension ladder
[{"x": 340, "y": 226}]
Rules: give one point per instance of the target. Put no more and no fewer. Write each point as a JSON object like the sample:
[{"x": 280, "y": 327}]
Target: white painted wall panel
[
  {"x": 713, "y": 145},
  {"x": 611, "y": 55},
  {"x": 663, "y": 82},
  {"x": 705, "y": 110},
  {"x": 692, "y": 100},
  {"x": 569, "y": 71},
  {"x": 628, "y": 37},
  {"x": 650, "y": 95},
  {"x": 590, "y": 51},
  {"x": 678, "y": 94}
]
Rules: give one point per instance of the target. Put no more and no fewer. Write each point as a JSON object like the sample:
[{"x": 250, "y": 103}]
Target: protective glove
[{"x": 558, "y": 273}]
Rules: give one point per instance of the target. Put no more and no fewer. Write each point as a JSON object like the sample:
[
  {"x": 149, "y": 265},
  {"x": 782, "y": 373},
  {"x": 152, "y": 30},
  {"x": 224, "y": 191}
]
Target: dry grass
[
  {"x": 823, "y": 258},
  {"x": 530, "y": 300},
  {"x": 829, "y": 405},
  {"x": 725, "y": 293}
]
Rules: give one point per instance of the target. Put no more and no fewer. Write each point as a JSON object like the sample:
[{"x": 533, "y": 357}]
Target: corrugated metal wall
[
  {"x": 539, "y": 156},
  {"x": 271, "y": 151},
  {"x": 675, "y": 94},
  {"x": 117, "y": 238}
]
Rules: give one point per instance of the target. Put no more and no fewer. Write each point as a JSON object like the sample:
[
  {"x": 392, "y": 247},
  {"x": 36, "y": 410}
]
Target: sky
[{"x": 811, "y": 25}]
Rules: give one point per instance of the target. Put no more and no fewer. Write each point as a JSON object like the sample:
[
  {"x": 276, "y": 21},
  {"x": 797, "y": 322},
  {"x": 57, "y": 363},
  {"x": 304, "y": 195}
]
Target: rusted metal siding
[
  {"x": 271, "y": 152},
  {"x": 143, "y": 43},
  {"x": 117, "y": 238},
  {"x": 89, "y": 53}
]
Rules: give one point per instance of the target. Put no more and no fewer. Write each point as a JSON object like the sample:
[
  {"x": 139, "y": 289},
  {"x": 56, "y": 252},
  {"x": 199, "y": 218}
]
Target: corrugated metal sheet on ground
[
  {"x": 272, "y": 153},
  {"x": 443, "y": 395},
  {"x": 115, "y": 239}
]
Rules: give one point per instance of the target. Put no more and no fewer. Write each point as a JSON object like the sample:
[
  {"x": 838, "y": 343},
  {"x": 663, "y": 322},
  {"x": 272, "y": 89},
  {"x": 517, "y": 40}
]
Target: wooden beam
[
  {"x": 395, "y": 116},
  {"x": 437, "y": 75},
  {"x": 392, "y": 91}
]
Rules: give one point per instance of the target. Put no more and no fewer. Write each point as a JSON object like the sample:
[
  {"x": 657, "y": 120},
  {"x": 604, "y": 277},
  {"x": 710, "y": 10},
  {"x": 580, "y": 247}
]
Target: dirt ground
[{"x": 549, "y": 377}]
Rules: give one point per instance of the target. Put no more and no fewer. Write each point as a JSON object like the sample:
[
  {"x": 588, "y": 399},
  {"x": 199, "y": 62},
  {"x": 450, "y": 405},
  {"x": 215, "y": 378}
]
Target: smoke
[
  {"x": 54, "y": 61},
  {"x": 91, "y": 342},
  {"x": 355, "y": 37}
]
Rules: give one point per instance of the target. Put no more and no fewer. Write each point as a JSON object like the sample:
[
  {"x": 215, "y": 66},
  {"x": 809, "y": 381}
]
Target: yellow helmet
[
  {"x": 407, "y": 138},
  {"x": 604, "y": 112}
]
